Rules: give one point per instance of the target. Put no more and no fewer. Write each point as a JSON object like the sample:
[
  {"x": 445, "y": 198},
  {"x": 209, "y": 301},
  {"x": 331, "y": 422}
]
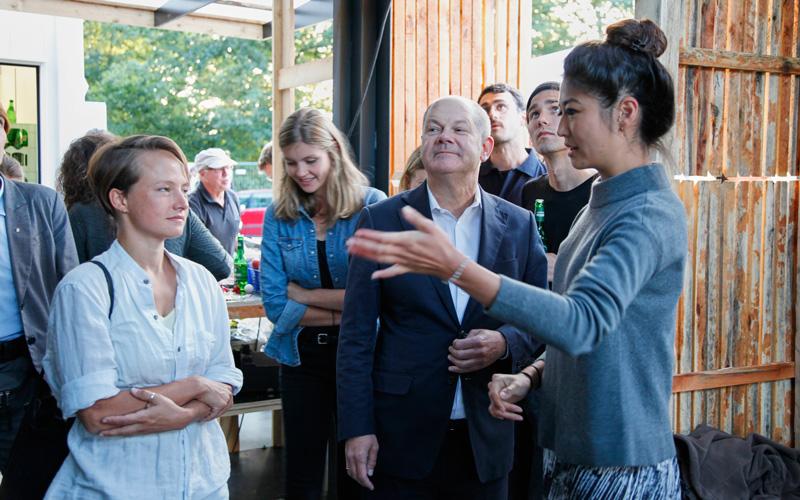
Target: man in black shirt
[
  {"x": 510, "y": 165},
  {"x": 565, "y": 190},
  {"x": 508, "y": 169}
]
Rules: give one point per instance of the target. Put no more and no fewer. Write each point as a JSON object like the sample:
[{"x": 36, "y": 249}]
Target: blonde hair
[
  {"x": 413, "y": 165},
  {"x": 343, "y": 187},
  {"x": 116, "y": 165}
]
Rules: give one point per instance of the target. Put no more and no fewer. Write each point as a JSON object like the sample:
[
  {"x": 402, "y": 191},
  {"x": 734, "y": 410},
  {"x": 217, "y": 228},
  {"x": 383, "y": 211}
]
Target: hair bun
[{"x": 640, "y": 36}]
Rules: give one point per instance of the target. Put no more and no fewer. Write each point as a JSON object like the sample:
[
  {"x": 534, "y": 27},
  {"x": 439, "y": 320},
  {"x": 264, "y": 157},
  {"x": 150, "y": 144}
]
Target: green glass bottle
[
  {"x": 240, "y": 266},
  {"x": 11, "y": 112},
  {"x": 538, "y": 214}
]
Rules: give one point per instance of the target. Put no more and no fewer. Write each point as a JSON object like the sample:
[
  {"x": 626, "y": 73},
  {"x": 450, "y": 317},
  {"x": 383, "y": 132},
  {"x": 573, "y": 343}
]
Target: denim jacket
[{"x": 289, "y": 254}]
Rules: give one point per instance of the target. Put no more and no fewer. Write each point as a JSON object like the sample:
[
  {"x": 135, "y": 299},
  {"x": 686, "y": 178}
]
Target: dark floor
[{"x": 257, "y": 474}]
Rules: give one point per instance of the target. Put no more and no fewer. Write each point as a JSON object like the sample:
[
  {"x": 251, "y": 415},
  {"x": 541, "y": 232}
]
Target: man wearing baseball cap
[{"x": 213, "y": 201}]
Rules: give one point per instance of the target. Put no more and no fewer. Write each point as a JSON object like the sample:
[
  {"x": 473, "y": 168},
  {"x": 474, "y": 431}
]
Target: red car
[{"x": 253, "y": 204}]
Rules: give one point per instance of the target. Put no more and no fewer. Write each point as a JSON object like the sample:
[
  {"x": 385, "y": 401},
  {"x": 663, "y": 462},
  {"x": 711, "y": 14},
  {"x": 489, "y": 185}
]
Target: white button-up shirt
[
  {"x": 465, "y": 234},
  {"x": 91, "y": 358}
]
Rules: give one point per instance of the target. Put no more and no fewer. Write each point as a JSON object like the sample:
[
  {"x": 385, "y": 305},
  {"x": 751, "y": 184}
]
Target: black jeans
[
  {"x": 525, "y": 479},
  {"x": 39, "y": 435},
  {"x": 17, "y": 380},
  {"x": 308, "y": 395}
]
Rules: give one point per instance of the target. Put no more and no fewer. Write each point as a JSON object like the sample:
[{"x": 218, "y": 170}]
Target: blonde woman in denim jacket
[{"x": 304, "y": 271}]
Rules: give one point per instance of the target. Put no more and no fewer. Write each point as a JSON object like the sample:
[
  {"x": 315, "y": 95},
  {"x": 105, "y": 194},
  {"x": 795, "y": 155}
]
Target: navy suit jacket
[{"x": 394, "y": 381}]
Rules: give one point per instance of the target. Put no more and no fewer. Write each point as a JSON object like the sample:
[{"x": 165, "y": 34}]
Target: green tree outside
[
  {"x": 561, "y": 24},
  {"x": 210, "y": 91},
  {"x": 200, "y": 90}
]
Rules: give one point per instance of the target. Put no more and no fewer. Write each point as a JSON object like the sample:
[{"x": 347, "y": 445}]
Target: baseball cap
[{"x": 212, "y": 158}]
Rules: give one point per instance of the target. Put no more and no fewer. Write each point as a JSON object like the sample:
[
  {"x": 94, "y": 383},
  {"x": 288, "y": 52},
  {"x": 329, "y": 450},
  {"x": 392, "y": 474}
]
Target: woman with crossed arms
[
  {"x": 148, "y": 369},
  {"x": 304, "y": 266}
]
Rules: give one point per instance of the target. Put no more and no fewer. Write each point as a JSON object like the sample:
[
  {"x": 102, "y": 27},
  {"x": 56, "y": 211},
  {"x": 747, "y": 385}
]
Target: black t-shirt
[
  {"x": 508, "y": 184},
  {"x": 560, "y": 208},
  {"x": 326, "y": 280}
]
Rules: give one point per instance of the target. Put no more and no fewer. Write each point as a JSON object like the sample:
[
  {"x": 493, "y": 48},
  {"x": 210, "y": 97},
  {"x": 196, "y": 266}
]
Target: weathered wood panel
[
  {"x": 737, "y": 152},
  {"x": 739, "y": 61},
  {"x": 442, "y": 47},
  {"x": 730, "y": 377}
]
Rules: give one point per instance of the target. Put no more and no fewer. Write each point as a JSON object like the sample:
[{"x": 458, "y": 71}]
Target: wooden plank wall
[
  {"x": 442, "y": 47},
  {"x": 736, "y": 172}
]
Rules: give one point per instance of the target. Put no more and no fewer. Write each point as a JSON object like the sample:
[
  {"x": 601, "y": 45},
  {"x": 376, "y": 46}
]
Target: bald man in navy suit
[{"x": 413, "y": 402}]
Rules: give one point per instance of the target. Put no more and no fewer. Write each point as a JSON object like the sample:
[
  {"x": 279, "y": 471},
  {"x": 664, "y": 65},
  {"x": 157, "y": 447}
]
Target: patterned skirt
[{"x": 652, "y": 482}]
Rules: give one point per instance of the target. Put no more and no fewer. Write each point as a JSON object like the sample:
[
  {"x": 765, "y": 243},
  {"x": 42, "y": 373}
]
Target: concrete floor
[
  {"x": 257, "y": 469},
  {"x": 257, "y": 474}
]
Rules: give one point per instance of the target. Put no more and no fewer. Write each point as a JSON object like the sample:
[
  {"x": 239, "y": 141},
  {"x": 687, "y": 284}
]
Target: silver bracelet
[{"x": 459, "y": 270}]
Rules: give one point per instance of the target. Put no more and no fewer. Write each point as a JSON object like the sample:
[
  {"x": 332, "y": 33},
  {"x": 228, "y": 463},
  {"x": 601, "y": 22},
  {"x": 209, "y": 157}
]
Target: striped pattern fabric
[{"x": 652, "y": 482}]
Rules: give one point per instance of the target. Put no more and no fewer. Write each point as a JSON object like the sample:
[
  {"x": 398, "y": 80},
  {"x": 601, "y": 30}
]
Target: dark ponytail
[{"x": 626, "y": 64}]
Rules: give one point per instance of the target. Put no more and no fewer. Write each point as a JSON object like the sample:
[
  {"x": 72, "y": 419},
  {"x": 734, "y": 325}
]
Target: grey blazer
[{"x": 42, "y": 252}]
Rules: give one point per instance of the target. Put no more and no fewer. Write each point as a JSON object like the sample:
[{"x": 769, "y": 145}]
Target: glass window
[{"x": 19, "y": 95}]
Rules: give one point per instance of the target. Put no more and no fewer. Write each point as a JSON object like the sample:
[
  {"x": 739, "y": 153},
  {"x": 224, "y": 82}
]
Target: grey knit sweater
[{"x": 609, "y": 325}]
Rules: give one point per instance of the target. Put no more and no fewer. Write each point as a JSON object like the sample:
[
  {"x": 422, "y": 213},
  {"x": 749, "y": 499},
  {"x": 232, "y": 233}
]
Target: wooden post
[
  {"x": 282, "y": 99},
  {"x": 282, "y": 107},
  {"x": 230, "y": 427},
  {"x": 669, "y": 16}
]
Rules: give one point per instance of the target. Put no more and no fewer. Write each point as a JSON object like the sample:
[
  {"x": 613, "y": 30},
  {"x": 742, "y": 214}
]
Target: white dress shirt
[
  {"x": 91, "y": 358},
  {"x": 465, "y": 234}
]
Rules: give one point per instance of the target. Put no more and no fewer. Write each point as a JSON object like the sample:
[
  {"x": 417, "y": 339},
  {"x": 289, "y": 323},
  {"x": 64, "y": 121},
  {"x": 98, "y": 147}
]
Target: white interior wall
[{"x": 55, "y": 45}]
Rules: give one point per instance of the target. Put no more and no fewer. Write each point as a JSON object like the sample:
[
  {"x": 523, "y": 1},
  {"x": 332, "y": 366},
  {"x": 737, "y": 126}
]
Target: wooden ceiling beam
[
  {"x": 246, "y": 5},
  {"x": 175, "y": 9},
  {"x": 97, "y": 10}
]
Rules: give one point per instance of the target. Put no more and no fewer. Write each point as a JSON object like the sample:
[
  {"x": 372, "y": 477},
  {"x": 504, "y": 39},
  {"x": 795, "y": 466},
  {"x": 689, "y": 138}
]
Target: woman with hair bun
[
  {"x": 609, "y": 322},
  {"x": 303, "y": 275}
]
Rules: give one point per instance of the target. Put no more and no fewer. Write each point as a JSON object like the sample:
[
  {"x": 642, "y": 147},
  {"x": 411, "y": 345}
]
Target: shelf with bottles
[{"x": 22, "y": 144}]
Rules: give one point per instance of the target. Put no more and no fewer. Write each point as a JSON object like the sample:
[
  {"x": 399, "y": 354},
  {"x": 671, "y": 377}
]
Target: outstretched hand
[{"x": 427, "y": 250}]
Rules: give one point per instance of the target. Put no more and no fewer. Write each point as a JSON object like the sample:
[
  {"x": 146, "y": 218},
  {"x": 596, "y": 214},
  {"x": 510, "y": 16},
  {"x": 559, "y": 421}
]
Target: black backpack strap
[{"x": 109, "y": 282}]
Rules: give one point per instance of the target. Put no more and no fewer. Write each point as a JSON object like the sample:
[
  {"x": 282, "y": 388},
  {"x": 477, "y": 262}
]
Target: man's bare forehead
[{"x": 449, "y": 111}]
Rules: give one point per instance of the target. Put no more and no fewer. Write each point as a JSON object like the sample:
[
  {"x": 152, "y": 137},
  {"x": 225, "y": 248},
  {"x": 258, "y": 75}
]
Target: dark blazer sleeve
[
  {"x": 66, "y": 254},
  {"x": 357, "y": 337},
  {"x": 522, "y": 347},
  {"x": 79, "y": 234},
  {"x": 202, "y": 247}
]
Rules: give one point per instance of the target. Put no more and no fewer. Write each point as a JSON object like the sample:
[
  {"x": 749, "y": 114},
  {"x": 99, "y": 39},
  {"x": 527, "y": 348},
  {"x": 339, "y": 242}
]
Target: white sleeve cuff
[{"x": 85, "y": 391}]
